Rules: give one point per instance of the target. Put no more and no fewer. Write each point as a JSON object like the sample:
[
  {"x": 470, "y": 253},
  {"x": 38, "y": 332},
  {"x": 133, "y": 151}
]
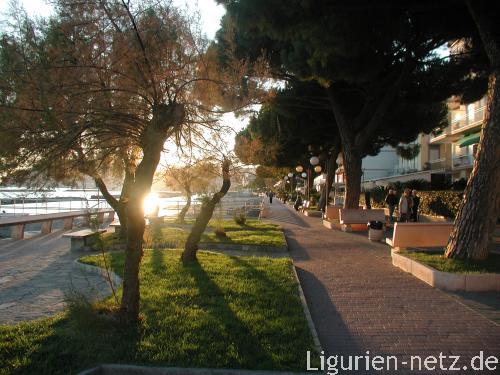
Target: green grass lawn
[
  {"x": 439, "y": 262},
  {"x": 253, "y": 232},
  {"x": 225, "y": 312}
]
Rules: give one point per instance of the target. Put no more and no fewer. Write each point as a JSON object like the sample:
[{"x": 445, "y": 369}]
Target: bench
[
  {"x": 353, "y": 218},
  {"x": 419, "y": 235},
  {"x": 115, "y": 225},
  {"x": 83, "y": 238},
  {"x": 332, "y": 212}
]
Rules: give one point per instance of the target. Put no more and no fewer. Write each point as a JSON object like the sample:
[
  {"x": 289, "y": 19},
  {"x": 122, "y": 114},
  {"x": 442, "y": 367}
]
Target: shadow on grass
[
  {"x": 239, "y": 337},
  {"x": 82, "y": 339}
]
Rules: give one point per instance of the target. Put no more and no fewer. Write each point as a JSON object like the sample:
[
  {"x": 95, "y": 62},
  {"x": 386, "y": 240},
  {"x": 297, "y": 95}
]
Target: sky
[{"x": 210, "y": 13}]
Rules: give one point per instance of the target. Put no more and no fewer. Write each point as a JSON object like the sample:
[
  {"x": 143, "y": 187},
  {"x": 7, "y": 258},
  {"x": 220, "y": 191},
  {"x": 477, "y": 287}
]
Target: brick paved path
[
  {"x": 359, "y": 301},
  {"x": 35, "y": 275}
]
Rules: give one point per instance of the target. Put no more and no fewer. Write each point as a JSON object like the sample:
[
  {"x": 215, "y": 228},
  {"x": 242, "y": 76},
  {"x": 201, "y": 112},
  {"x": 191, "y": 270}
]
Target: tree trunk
[
  {"x": 129, "y": 308},
  {"x": 352, "y": 172},
  {"x": 182, "y": 215},
  {"x": 153, "y": 139},
  {"x": 479, "y": 210},
  {"x": 206, "y": 212}
]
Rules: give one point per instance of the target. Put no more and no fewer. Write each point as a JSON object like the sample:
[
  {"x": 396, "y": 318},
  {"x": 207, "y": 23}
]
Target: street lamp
[
  {"x": 290, "y": 177},
  {"x": 299, "y": 168}
]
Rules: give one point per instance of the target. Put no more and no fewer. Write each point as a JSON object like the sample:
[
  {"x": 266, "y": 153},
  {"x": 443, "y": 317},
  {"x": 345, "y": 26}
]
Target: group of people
[{"x": 407, "y": 205}]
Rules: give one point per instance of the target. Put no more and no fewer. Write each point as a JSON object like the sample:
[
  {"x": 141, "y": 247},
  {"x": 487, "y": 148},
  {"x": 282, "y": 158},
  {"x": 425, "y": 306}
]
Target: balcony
[
  {"x": 437, "y": 164},
  {"x": 463, "y": 161},
  {"x": 470, "y": 121}
]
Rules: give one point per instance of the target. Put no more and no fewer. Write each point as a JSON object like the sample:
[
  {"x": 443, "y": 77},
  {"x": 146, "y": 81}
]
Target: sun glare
[{"x": 151, "y": 204}]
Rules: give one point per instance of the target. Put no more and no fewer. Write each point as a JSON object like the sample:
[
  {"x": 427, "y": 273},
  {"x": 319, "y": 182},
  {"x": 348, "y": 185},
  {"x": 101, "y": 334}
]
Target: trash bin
[{"x": 375, "y": 230}]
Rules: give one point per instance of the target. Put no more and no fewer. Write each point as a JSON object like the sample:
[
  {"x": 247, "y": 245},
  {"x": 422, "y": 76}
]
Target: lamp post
[{"x": 290, "y": 178}]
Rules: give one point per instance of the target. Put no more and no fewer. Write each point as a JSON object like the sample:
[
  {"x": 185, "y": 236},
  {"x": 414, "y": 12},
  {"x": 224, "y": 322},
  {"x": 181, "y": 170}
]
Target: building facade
[{"x": 447, "y": 154}]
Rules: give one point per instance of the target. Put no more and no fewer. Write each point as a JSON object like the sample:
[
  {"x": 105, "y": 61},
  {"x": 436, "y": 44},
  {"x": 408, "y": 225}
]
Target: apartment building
[
  {"x": 453, "y": 149},
  {"x": 444, "y": 155}
]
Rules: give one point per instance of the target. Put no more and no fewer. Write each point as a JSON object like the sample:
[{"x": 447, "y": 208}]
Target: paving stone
[
  {"x": 39, "y": 273},
  {"x": 359, "y": 301}
]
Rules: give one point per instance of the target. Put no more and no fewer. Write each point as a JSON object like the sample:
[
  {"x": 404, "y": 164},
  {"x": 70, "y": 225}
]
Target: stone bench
[
  {"x": 18, "y": 223},
  {"x": 352, "y": 218},
  {"x": 83, "y": 238},
  {"x": 419, "y": 235},
  {"x": 115, "y": 225}
]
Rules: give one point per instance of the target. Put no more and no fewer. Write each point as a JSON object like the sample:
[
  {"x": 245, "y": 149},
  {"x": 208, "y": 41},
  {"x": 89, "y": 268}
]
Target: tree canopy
[{"x": 378, "y": 65}]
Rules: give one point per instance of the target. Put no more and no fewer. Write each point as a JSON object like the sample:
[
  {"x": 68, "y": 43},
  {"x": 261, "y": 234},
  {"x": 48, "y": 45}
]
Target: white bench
[
  {"x": 419, "y": 235},
  {"x": 359, "y": 218},
  {"x": 83, "y": 238},
  {"x": 116, "y": 226}
]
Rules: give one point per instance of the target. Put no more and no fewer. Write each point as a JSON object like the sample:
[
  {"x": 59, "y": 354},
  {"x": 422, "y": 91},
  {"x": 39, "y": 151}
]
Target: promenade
[
  {"x": 360, "y": 302},
  {"x": 36, "y": 275}
]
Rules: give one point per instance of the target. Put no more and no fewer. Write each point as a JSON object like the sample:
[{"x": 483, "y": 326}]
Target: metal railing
[
  {"x": 438, "y": 164},
  {"x": 30, "y": 206},
  {"x": 470, "y": 120},
  {"x": 463, "y": 161},
  {"x": 23, "y": 206}
]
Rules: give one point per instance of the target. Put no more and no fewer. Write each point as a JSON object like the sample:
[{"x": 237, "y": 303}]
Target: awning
[{"x": 470, "y": 139}]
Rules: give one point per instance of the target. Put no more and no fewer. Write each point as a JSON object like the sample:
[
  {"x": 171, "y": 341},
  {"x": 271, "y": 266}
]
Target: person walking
[
  {"x": 271, "y": 195},
  {"x": 405, "y": 206},
  {"x": 416, "y": 203},
  {"x": 391, "y": 200}
]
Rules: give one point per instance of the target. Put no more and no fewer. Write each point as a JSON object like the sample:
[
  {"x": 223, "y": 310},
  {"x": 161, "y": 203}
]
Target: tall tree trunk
[
  {"x": 164, "y": 118},
  {"x": 480, "y": 208},
  {"x": 353, "y": 172},
  {"x": 129, "y": 306},
  {"x": 206, "y": 212},
  {"x": 181, "y": 218}
]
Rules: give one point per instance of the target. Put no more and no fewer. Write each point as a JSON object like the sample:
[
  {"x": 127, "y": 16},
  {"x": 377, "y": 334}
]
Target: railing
[
  {"x": 463, "y": 161},
  {"x": 470, "y": 120},
  {"x": 438, "y": 164},
  {"x": 436, "y": 137},
  {"x": 401, "y": 171},
  {"x": 30, "y": 206}
]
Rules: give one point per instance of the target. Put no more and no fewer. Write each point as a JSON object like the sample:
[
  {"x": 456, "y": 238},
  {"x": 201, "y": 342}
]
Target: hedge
[{"x": 434, "y": 203}]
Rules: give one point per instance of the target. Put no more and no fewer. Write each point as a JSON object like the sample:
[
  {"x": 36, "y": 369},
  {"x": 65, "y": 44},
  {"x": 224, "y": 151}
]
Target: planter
[{"x": 446, "y": 280}]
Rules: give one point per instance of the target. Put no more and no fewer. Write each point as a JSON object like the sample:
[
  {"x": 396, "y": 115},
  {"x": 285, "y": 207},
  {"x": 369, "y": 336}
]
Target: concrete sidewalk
[{"x": 359, "y": 302}]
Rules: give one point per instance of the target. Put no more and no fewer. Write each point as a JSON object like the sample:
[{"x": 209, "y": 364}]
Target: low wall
[{"x": 447, "y": 280}]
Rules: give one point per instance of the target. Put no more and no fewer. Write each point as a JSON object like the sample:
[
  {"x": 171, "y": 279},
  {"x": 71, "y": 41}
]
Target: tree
[
  {"x": 478, "y": 214},
  {"x": 206, "y": 212},
  {"x": 192, "y": 178},
  {"x": 106, "y": 81},
  {"x": 376, "y": 64}
]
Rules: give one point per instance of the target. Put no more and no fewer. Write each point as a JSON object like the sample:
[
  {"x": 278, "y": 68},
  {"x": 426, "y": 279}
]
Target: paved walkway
[
  {"x": 37, "y": 273},
  {"x": 359, "y": 302}
]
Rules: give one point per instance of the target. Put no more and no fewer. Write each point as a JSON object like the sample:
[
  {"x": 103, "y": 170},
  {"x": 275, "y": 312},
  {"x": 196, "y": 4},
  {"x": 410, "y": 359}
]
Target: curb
[
  {"x": 242, "y": 247},
  {"x": 111, "y": 369},
  {"x": 307, "y": 313},
  {"x": 94, "y": 270}
]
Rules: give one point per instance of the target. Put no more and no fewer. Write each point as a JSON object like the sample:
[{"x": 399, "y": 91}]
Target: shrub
[
  {"x": 220, "y": 232},
  {"x": 240, "y": 218},
  {"x": 434, "y": 203},
  {"x": 440, "y": 203}
]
